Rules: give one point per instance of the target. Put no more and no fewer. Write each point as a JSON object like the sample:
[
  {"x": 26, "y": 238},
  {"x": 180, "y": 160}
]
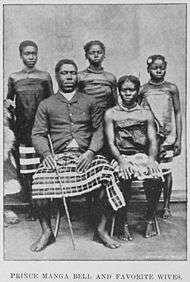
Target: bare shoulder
[
  {"x": 111, "y": 77},
  {"x": 110, "y": 114},
  {"x": 147, "y": 115},
  {"x": 172, "y": 87}
]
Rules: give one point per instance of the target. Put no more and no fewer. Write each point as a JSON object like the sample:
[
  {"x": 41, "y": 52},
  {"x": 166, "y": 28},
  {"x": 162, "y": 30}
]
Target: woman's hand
[{"x": 126, "y": 168}]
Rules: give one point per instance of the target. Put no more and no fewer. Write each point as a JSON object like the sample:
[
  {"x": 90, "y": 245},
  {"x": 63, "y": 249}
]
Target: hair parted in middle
[
  {"x": 94, "y": 42},
  {"x": 27, "y": 43},
  {"x": 125, "y": 78},
  {"x": 65, "y": 62}
]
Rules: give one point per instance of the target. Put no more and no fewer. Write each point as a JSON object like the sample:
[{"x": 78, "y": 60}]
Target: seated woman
[{"x": 132, "y": 138}]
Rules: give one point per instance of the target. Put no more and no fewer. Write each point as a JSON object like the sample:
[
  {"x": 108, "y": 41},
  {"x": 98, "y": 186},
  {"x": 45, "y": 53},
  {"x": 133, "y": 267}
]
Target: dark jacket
[{"x": 79, "y": 119}]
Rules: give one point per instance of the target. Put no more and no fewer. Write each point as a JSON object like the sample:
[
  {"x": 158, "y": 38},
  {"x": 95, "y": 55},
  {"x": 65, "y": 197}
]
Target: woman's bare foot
[
  {"x": 104, "y": 238},
  {"x": 125, "y": 234},
  {"x": 44, "y": 240},
  {"x": 166, "y": 213},
  {"x": 150, "y": 229}
]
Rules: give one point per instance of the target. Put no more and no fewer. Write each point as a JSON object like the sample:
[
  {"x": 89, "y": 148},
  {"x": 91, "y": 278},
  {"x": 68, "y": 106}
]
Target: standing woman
[
  {"x": 102, "y": 85},
  {"x": 94, "y": 80},
  {"x": 27, "y": 88}
]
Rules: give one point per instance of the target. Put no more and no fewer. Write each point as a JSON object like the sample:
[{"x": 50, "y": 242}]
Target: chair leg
[
  {"x": 112, "y": 225},
  {"x": 57, "y": 224},
  {"x": 156, "y": 225}
]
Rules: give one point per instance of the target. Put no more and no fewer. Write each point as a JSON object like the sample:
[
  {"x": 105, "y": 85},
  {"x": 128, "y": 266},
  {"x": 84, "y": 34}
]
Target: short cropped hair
[
  {"x": 94, "y": 42},
  {"x": 64, "y": 62},
  {"x": 26, "y": 43},
  {"x": 130, "y": 78},
  {"x": 153, "y": 58}
]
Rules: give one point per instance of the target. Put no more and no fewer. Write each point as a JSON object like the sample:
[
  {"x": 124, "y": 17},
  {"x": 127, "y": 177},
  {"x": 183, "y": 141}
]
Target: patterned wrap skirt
[{"x": 99, "y": 173}]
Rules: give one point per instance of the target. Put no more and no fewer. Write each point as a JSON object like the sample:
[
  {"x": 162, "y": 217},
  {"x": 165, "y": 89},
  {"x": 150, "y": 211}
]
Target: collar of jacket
[{"x": 63, "y": 99}]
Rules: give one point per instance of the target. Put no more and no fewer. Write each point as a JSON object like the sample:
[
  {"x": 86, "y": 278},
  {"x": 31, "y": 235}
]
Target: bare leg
[
  {"x": 152, "y": 191},
  {"x": 167, "y": 195},
  {"x": 101, "y": 235},
  {"x": 47, "y": 236},
  {"x": 27, "y": 187}
]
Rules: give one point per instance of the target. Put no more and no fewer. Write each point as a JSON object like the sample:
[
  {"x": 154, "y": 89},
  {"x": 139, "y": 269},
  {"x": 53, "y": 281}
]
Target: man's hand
[
  {"x": 49, "y": 162},
  {"x": 126, "y": 168},
  {"x": 84, "y": 160},
  {"x": 177, "y": 148}
]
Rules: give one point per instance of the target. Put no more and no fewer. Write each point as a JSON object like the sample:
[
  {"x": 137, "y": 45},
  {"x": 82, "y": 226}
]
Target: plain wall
[{"x": 130, "y": 33}]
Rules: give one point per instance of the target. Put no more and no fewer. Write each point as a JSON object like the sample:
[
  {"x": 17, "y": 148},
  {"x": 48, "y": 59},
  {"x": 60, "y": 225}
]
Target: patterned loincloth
[
  {"x": 99, "y": 173},
  {"x": 166, "y": 156},
  {"x": 29, "y": 160},
  {"x": 140, "y": 167}
]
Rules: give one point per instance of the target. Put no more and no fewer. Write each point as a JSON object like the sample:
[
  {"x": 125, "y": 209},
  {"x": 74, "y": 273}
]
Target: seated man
[
  {"x": 131, "y": 136},
  {"x": 74, "y": 123}
]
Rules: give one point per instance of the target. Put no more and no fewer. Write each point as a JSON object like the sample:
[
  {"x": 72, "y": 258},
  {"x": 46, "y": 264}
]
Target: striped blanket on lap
[
  {"x": 99, "y": 173},
  {"x": 29, "y": 160}
]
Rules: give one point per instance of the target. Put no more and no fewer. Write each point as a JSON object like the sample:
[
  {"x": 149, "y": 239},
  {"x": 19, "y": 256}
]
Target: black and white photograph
[{"x": 94, "y": 133}]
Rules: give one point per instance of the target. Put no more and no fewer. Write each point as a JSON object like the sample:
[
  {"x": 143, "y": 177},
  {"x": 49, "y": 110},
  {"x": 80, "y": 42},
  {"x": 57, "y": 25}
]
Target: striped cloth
[
  {"x": 140, "y": 167},
  {"x": 29, "y": 160},
  {"x": 99, "y": 173},
  {"x": 166, "y": 159}
]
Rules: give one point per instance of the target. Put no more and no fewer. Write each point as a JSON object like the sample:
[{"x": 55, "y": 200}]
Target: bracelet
[{"x": 91, "y": 150}]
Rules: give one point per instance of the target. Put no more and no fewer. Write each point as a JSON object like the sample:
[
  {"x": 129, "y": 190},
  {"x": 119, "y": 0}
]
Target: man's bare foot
[
  {"x": 150, "y": 229},
  {"x": 42, "y": 242},
  {"x": 106, "y": 240},
  {"x": 166, "y": 213},
  {"x": 125, "y": 234}
]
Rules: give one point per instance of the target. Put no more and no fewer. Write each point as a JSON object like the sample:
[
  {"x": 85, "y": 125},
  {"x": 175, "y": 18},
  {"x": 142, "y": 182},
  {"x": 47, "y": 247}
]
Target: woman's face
[
  {"x": 128, "y": 93},
  {"x": 29, "y": 56},
  {"x": 95, "y": 55},
  {"x": 157, "y": 70}
]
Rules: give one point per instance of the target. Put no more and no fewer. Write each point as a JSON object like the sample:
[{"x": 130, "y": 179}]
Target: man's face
[
  {"x": 157, "y": 70},
  {"x": 29, "y": 56},
  {"x": 67, "y": 78},
  {"x": 95, "y": 54},
  {"x": 128, "y": 93}
]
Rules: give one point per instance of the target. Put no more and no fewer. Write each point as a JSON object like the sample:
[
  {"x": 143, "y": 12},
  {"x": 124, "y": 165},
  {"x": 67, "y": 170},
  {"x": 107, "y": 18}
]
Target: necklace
[
  {"x": 136, "y": 106},
  {"x": 156, "y": 83}
]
